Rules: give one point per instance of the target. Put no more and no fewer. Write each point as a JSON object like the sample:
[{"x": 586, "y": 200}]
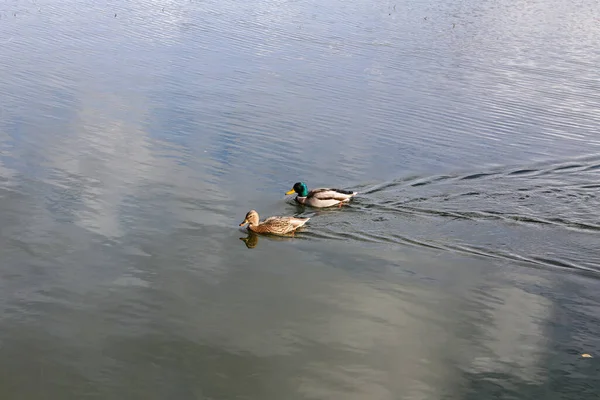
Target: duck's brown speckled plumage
[{"x": 273, "y": 225}]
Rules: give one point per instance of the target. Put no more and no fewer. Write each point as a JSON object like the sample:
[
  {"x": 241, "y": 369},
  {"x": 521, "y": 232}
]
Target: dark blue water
[{"x": 135, "y": 136}]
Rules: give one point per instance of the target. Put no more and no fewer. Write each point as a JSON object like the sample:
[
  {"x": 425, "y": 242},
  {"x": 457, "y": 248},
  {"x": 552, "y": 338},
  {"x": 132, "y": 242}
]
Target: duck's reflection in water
[{"x": 251, "y": 240}]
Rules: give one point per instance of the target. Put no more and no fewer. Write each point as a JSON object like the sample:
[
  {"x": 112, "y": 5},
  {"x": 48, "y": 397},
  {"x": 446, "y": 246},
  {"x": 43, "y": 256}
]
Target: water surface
[{"x": 134, "y": 138}]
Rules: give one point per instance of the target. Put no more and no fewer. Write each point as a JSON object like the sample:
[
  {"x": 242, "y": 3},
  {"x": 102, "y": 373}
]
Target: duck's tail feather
[{"x": 344, "y": 191}]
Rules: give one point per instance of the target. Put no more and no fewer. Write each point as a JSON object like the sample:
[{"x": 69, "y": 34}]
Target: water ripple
[{"x": 532, "y": 201}]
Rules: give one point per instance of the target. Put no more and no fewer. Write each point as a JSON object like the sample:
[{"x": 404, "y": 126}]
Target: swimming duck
[
  {"x": 322, "y": 197},
  {"x": 274, "y": 225}
]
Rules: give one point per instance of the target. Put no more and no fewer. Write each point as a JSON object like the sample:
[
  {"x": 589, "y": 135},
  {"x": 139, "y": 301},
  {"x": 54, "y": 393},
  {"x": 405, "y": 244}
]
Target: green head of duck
[{"x": 300, "y": 188}]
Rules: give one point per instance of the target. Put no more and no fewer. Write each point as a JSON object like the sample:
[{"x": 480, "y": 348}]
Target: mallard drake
[
  {"x": 274, "y": 225},
  {"x": 322, "y": 197}
]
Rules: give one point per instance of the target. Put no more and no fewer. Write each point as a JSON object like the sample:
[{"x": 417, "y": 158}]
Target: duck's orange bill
[{"x": 290, "y": 192}]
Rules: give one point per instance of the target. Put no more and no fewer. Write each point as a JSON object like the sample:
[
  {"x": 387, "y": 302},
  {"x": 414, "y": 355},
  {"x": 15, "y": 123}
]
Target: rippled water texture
[{"x": 135, "y": 136}]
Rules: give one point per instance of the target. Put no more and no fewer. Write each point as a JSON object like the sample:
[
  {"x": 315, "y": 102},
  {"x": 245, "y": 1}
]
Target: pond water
[{"x": 135, "y": 136}]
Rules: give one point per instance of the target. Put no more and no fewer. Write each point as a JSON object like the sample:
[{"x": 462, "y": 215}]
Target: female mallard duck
[
  {"x": 322, "y": 197},
  {"x": 274, "y": 225}
]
